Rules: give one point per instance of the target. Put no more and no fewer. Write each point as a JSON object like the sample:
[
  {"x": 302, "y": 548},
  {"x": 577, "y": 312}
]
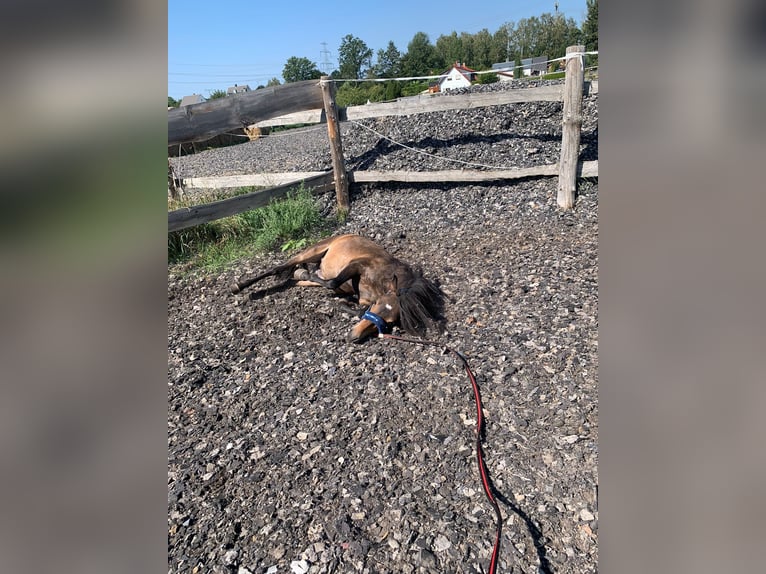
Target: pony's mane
[{"x": 421, "y": 304}]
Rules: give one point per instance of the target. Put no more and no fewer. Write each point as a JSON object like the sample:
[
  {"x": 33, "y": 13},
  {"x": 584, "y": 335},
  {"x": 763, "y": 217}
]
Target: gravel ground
[{"x": 290, "y": 450}]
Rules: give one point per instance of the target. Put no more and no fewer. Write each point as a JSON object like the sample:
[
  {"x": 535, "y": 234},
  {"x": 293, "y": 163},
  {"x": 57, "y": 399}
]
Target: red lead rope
[{"x": 483, "y": 474}]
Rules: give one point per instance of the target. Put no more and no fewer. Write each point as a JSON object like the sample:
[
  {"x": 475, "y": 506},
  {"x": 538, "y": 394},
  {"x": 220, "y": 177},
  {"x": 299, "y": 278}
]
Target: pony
[{"x": 389, "y": 290}]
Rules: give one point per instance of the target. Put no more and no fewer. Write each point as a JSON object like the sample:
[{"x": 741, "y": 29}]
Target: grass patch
[
  {"x": 212, "y": 246},
  {"x": 341, "y": 215}
]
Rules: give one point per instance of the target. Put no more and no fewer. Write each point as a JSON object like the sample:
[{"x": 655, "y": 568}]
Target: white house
[
  {"x": 235, "y": 89},
  {"x": 534, "y": 66},
  {"x": 504, "y": 70},
  {"x": 458, "y": 76}
]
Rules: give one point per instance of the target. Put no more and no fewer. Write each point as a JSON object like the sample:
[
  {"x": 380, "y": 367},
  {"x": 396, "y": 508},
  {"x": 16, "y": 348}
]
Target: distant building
[
  {"x": 505, "y": 70},
  {"x": 505, "y": 66},
  {"x": 458, "y": 76},
  {"x": 235, "y": 89},
  {"x": 534, "y": 66},
  {"x": 193, "y": 99}
]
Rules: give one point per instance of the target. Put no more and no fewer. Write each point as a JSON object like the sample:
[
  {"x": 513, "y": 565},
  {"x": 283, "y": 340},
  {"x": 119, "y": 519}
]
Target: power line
[
  {"x": 195, "y": 64},
  {"x": 207, "y": 75}
]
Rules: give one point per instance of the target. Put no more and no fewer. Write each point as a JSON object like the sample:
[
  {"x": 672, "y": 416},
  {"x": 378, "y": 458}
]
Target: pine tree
[{"x": 590, "y": 26}]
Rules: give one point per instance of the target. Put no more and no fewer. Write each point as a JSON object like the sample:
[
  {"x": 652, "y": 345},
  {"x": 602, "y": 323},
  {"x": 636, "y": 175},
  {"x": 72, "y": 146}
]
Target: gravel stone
[{"x": 286, "y": 444}]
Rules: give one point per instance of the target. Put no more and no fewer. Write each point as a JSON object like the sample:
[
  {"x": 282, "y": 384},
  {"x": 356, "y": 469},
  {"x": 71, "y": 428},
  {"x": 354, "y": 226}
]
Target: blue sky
[{"x": 213, "y": 45}]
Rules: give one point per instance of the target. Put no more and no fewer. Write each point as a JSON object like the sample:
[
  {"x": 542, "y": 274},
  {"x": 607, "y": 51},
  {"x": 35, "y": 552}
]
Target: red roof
[{"x": 462, "y": 68}]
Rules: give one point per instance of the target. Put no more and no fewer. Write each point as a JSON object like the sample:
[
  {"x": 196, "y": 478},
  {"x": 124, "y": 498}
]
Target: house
[
  {"x": 235, "y": 89},
  {"x": 193, "y": 99},
  {"x": 504, "y": 70},
  {"x": 534, "y": 66},
  {"x": 458, "y": 76}
]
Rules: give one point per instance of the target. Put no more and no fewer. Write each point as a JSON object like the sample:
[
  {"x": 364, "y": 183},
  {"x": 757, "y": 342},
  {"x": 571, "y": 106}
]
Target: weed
[
  {"x": 293, "y": 244},
  {"x": 341, "y": 215},
  {"x": 213, "y": 245}
]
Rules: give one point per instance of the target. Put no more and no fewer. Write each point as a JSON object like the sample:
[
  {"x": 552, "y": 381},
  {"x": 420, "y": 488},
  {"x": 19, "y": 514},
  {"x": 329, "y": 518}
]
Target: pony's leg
[
  {"x": 304, "y": 272},
  {"x": 313, "y": 254},
  {"x": 350, "y": 273},
  {"x": 302, "y": 276},
  {"x": 345, "y": 290},
  {"x": 310, "y": 277}
]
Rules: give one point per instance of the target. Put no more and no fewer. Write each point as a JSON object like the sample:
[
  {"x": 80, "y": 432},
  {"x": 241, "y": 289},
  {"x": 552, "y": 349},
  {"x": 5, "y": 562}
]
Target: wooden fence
[{"x": 313, "y": 102}]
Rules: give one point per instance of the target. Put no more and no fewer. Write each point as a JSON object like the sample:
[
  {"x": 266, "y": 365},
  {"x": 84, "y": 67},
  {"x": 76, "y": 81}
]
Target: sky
[{"x": 213, "y": 45}]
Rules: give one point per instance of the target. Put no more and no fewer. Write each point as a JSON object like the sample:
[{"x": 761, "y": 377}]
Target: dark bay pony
[{"x": 351, "y": 265}]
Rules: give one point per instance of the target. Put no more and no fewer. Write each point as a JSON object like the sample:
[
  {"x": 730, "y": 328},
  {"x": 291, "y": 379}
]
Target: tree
[
  {"x": 544, "y": 35},
  {"x": 173, "y": 103},
  {"x": 556, "y": 34},
  {"x": 525, "y": 37},
  {"x": 590, "y": 26},
  {"x": 421, "y": 58},
  {"x": 486, "y": 79},
  {"x": 482, "y": 50},
  {"x": 466, "y": 40},
  {"x": 393, "y": 90},
  {"x": 216, "y": 94},
  {"x": 449, "y": 49},
  {"x": 298, "y": 69},
  {"x": 354, "y": 58},
  {"x": 500, "y": 45},
  {"x": 273, "y": 82},
  {"x": 389, "y": 62},
  {"x": 356, "y": 93},
  {"x": 414, "y": 88}
]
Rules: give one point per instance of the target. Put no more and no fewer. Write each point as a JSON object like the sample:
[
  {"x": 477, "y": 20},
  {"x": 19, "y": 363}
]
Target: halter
[{"x": 377, "y": 320}]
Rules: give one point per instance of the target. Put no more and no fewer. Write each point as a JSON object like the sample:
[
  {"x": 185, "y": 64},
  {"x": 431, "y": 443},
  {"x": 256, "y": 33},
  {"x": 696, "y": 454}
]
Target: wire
[
  {"x": 476, "y": 72},
  {"x": 420, "y": 151}
]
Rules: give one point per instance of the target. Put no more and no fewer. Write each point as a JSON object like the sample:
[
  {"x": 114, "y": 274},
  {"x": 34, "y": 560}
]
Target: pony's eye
[{"x": 388, "y": 307}]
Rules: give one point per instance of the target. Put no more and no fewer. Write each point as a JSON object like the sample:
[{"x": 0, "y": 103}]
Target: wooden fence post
[
  {"x": 175, "y": 189},
  {"x": 572, "y": 124},
  {"x": 336, "y": 148}
]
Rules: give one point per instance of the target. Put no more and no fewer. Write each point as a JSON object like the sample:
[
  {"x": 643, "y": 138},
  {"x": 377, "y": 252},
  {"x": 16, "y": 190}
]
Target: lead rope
[{"x": 483, "y": 474}]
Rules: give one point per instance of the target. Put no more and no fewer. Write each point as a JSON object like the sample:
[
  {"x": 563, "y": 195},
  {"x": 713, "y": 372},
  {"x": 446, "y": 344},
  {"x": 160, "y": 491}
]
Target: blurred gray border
[{"x": 682, "y": 401}]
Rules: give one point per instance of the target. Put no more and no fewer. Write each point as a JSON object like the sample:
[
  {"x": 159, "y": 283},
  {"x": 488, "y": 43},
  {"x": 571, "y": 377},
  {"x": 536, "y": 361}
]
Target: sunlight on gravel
[{"x": 291, "y": 450}]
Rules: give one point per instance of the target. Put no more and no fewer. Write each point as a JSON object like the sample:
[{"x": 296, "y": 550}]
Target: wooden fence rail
[
  {"x": 429, "y": 103},
  {"x": 206, "y": 212},
  {"x": 587, "y": 169},
  {"x": 199, "y": 122},
  {"x": 319, "y": 182},
  {"x": 312, "y": 100}
]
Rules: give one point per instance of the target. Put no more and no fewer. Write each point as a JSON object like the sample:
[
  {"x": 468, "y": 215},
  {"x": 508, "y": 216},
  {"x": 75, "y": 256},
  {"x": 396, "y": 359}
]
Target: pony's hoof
[
  {"x": 235, "y": 289},
  {"x": 301, "y": 275}
]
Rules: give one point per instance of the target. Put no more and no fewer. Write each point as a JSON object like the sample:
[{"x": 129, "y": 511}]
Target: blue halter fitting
[{"x": 377, "y": 320}]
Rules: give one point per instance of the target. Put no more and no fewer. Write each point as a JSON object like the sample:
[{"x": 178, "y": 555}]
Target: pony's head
[
  {"x": 377, "y": 318},
  {"x": 416, "y": 304}
]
